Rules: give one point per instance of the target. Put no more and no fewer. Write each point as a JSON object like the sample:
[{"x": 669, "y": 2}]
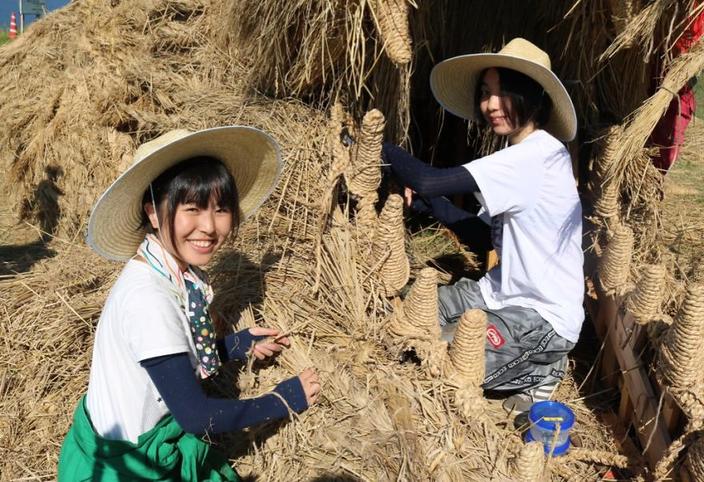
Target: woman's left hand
[{"x": 270, "y": 346}]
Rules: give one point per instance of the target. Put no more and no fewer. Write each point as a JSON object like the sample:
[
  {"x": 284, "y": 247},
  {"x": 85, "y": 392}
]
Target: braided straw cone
[
  {"x": 695, "y": 460},
  {"x": 607, "y": 205},
  {"x": 392, "y": 22},
  {"x": 363, "y": 175},
  {"x": 607, "y": 156},
  {"x": 614, "y": 266},
  {"x": 467, "y": 349},
  {"x": 682, "y": 353},
  {"x": 389, "y": 248},
  {"x": 644, "y": 303},
  {"x": 366, "y": 217},
  {"x": 528, "y": 465},
  {"x": 340, "y": 153},
  {"x": 421, "y": 305}
]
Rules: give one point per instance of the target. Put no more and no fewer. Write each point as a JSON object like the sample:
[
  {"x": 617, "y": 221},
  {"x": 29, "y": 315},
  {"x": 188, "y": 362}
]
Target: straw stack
[
  {"x": 389, "y": 248},
  {"x": 644, "y": 302},
  {"x": 529, "y": 464},
  {"x": 392, "y": 21},
  {"x": 682, "y": 353},
  {"x": 467, "y": 349},
  {"x": 420, "y": 307},
  {"x": 695, "y": 460},
  {"x": 614, "y": 266},
  {"x": 364, "y": 173}
]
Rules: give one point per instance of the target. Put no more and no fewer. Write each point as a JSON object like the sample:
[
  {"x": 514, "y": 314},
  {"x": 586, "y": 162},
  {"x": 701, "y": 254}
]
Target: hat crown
[
  {"x": 523, "y": 49},
  {"x": 148, "y": 148}
]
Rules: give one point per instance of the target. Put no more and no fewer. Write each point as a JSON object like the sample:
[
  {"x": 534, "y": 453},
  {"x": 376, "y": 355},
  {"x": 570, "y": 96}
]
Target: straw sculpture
[
  {"x": 528, "y": 465},
  {"x": 644, "y": 302},
  {"x": 420, "y": 307},
  {"x": 695, "y": 460},
  {"x": 682, "y": 352},
  {"x": 614, "y": 266},
  {"x": 467, "y": 349},
  {"x": 392, "y": 22},
  {"x": 389, "y": 250},
  {"x": 364, "y": 173},
  {"x": 124, "y": 72}
]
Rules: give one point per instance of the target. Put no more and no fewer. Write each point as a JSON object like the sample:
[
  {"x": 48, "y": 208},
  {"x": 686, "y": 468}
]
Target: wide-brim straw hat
[
  {"x": 252, "y": 157},
  {"x": 454, "y": 82}
]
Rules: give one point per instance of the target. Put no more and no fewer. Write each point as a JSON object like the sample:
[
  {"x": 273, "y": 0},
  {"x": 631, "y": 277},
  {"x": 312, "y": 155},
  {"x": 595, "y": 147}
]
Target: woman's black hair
[
  {"x": 196, "y": 181},
  {"x": 529, "y": 100}
]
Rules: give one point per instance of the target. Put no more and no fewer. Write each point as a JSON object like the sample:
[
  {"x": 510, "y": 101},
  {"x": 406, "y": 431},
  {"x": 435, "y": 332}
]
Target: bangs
[
  {"x": 197, "y": 181},
  {"x": 205, "y": 180}
]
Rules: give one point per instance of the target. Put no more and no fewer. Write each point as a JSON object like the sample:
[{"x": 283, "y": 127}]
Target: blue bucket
[{"x": 550, "y": 424}]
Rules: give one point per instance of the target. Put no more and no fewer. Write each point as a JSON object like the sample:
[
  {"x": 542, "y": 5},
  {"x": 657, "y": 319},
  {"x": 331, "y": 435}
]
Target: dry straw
[
  {"x": 644, "y": 302},
  {"x": 392, "y": 22},
  {"x": 389, "y": 247},
  {"x": 467, "y": 349},
  {"x": 614, "y": 266},
  {"x": 682, "y": 352},
  {"x": 529, "y": 463},
  {"x": 363, "y": 175},
  {"x": 695, "y": 460}
]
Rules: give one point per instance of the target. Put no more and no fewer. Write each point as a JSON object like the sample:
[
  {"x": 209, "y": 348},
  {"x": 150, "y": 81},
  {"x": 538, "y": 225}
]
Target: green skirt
[{"x": 165, "y": 453}]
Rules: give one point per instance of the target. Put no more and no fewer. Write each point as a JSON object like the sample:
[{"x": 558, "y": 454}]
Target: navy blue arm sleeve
[
  {"x": 235, "y": 346},
  {"x": 197, "y": 413},
  {"x": 441, "y": 209},
  {"x": 426, "y": 180}
]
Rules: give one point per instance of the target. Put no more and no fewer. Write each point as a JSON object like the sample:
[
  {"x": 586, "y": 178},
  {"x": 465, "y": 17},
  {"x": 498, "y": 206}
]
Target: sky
[{"x": 9, "y": 6}]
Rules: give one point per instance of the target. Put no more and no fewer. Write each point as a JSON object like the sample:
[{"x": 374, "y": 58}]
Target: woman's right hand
[
  {"x": 408, "y": 196},
  {"x": 311, "y": 385}
]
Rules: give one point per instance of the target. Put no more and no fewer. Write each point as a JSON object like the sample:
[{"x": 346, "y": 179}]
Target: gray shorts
[{"x": 522, "y": 349}]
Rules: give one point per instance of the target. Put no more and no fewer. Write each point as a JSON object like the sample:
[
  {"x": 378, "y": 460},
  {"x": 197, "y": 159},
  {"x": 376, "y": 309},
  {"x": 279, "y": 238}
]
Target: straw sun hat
[
  {"x": 251, "y": 156},
  {"x": 454, "y": 82}
]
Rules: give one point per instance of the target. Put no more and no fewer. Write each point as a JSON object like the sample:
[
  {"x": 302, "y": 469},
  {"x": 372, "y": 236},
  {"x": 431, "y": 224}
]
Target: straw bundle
[
  {"x": 420, "y": 307},
  {"x": 614, "y": 266},
  {"x": 467, "y": 349},
  {"x": 364, "y": 173},
  {"x": 682, "y": 353},
  {"x": 607, "y": 459},
  {"x": 644, "y": 302},
  {"x": 622, "y": 13},
  {"x": 388, "y": 249},
  {"x": 391, "y": 18},
  {"x": 641, "y": 123},
  {"x": 695, "y": 460},
  {"x": 528, "y": 465}
]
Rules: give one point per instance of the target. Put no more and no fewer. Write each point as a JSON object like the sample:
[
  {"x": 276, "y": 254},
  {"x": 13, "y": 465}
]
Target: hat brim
[
  {"x": 252, "y": 157},
  {"x": 454, "y": 81}
]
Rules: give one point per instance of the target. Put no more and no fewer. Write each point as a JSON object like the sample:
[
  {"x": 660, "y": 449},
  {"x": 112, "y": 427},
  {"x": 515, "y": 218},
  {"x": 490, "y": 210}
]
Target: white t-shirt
[
  {"x": 529, "y": 187},
  {"x": 142, "y": 319}
]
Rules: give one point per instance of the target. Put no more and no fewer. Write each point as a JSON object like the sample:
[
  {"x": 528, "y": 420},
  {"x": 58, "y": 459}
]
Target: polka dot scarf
[{"x": 194, "y": 294}]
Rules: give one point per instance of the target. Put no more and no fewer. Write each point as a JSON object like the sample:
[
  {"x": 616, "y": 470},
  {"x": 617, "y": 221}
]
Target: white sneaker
[{"x": 521, "y": 402}]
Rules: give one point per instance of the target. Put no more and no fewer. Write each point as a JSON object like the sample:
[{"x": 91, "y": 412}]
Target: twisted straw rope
[
  {"x": 614, "y": 267},
  {"x": 366, "y": 217},
  {"x": 340, "y": 153},
  {"x": 682, "y": 352},
  {"x": 597, "y": 456},
  {"x": 392, "y": 22},
  {"x": 421, "y": 305},
  {"x": 644, "y": 303},
  {"x": 695, "y": 460},
  {"x": 467, "y": 349},
  {"x": 389, "y": 246},
  {"x": 622, "y": 13},
  {"x": 363, "y": 175},
  {"x": 528, "y": 465}
]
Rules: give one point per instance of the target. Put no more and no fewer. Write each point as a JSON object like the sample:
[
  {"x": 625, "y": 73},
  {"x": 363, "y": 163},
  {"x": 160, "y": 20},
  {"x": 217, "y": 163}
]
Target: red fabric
[
  {"x": 669, "y": 131},
  {"x": 691, "y": 35}
]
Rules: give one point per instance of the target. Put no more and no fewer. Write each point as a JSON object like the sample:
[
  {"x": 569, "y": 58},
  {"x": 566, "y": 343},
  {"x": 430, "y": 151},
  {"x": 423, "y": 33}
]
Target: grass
[
  {"x": 3, "y": 37},
  {"x": 699, "y": 95}
]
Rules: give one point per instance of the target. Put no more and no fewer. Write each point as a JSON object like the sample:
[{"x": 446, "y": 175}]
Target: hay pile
[{"x": 124, "y": 72}]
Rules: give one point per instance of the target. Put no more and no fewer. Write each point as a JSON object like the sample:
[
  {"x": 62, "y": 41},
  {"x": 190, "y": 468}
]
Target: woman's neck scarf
[{"x": 194, "y": 294}]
